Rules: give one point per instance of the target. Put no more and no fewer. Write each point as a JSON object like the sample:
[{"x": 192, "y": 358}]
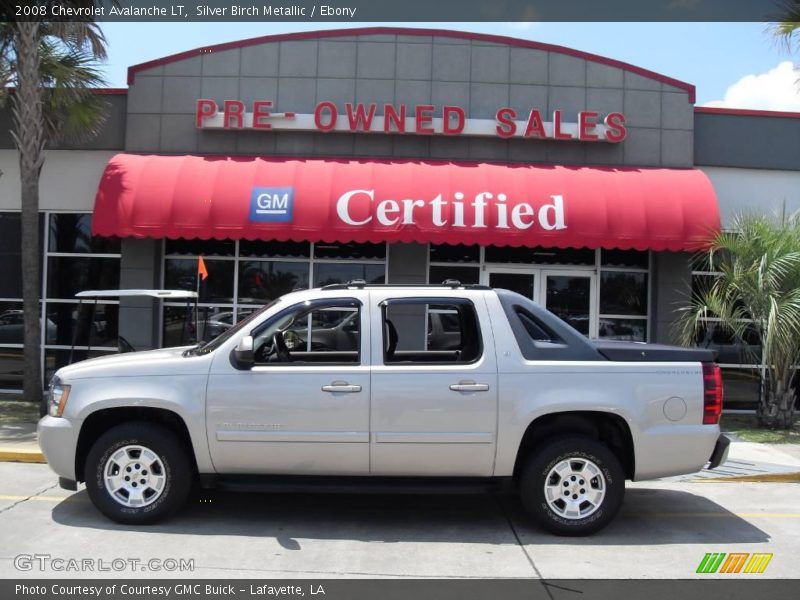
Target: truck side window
[
  {"x": 328, "y": 333},
  {"x": 425, "y": 332}
]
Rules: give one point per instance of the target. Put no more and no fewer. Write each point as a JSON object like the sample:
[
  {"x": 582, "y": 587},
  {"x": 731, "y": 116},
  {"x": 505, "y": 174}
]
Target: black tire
[
  {"x": 535, "y": 473},
  {"x": 177, "y": 471}
]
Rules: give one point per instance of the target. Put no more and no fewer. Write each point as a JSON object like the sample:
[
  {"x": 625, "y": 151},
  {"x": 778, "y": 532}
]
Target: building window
[
  {"x": 618, "y": 279},
  {"x": 466, "y": 275},
  {"x": 71, "y": 260},
  {"x": 76, "y": 261},
  {"x": 245, "y": 274},
  {"x": 10, "y": 256},
  {"x": 540, "y": 256},
  {"x": 11, "y": 320},
  {"x": 263, "y": 280},
  {"x": 456, "y": 261},
  {"x": 72, "y": 234},
  {"x": 624, "y": 294}
]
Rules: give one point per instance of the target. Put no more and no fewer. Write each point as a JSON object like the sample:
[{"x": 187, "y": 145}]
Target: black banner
[
  {"x": 345, "y": 11},
  {"x": 395, "y": 589}
]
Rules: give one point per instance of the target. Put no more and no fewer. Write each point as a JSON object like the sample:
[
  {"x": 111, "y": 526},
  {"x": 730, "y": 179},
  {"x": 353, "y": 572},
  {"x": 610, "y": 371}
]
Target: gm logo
[{"x": 272, "y": 204}]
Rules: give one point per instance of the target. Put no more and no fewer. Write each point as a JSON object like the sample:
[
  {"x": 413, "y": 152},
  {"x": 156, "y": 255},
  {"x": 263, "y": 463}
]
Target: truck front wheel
[
  {"x": 138, "y": 473},
  {"x": 572, "y": 486}
]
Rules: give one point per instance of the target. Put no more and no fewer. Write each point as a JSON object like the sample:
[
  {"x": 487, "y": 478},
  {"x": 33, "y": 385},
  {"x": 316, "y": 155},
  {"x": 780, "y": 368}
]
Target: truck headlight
[{"x": 58, "y": 394}]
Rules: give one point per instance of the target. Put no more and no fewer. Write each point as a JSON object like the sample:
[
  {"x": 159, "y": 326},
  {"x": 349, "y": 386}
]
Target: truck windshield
[{"x": 205, "y": 348}]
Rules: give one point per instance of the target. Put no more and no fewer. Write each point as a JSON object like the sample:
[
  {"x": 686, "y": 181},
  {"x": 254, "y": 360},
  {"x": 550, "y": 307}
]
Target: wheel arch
[
  {"x": 100, "y": 421},
  {"x": 605, "y": 427}
]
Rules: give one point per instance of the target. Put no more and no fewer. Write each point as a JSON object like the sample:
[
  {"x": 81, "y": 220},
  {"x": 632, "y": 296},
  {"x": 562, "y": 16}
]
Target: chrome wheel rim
[
  {"x": 575, "y": 488},
  {"x": 134, "y": 476}
]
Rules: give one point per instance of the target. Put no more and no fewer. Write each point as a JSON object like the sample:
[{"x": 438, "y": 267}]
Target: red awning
[{"x": 404, "y": 201}]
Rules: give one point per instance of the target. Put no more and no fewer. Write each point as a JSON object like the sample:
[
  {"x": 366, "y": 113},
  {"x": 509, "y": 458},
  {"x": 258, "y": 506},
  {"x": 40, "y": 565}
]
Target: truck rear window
[{"x": 430, "y": 331}]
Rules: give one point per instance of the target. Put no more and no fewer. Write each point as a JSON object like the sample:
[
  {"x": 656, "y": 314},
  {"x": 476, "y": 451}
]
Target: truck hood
[{"x": 166, "y": 361}]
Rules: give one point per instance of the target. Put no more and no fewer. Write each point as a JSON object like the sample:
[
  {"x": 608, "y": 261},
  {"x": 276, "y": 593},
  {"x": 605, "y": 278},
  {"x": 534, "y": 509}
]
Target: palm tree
[
  {"x": 53, "y": 69},
  {"x": 787, "y": 21},
  {"x": 756, "y": 292}
]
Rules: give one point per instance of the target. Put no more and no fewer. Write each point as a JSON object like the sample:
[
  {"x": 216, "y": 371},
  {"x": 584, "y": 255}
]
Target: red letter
[
  {"x": 205, "y": 109},
  {"x": 557, "y": 133},
  {"x": 586, "y": 125},
  {"x": 261, "y": 111},
  {"x": 360, "y": 120},
  {"x": 506, "y": 127},
  {"x": 331, "y": 124},
  {"x": 535, "y": 127},
  {"x": 460, "y": 119},
  {"x": 390, "y": 117},
  {"x": 233, "y": 109},
  {"x": 424, "y": 114},
  {"x": 615, "y": 127}
]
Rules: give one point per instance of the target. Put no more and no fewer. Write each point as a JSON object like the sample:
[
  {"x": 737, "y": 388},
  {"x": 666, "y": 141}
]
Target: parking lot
[{"x": 663, "y": 530}]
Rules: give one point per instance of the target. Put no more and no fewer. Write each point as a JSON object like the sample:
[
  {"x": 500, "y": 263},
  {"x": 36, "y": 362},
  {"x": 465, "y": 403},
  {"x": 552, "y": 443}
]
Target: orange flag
[{"x": 202, "y": 272}]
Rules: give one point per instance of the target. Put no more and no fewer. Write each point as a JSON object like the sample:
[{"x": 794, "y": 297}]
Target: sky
[{"x": 738, "y": 65}]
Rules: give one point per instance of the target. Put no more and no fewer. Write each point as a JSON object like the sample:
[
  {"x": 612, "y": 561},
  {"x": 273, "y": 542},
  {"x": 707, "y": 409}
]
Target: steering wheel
[
  {"x": 275, "y": 350},
  {"x": 280, "y": 348}
]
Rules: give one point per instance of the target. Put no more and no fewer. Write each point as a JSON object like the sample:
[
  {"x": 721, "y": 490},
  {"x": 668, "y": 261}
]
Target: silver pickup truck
[{"x": 393, "y": 388}]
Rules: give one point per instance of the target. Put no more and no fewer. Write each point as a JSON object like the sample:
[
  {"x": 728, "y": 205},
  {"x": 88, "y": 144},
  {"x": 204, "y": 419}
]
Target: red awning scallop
[{"x": 404, "y": 201}]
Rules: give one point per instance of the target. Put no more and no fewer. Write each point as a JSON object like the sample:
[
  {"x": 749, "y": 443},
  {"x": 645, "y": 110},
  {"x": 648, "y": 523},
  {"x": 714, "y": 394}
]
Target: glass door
[
  {"x": 572, "y": 297},
  {"x": 569, "y": 294}
]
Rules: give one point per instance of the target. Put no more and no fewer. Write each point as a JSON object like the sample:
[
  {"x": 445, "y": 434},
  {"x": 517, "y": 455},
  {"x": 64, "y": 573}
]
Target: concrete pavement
[
  {"x": 748, "y": 461},
  {"x": 18, "y": 443},
  {"x": 663, "y": 530}
]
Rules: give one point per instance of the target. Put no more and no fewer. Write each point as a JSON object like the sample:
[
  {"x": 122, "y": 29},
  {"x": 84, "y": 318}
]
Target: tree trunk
[
  {"x": 29, "y": 137},
  {"x": 776, "y": 408},
  {"x": 765, "y": 411},
  {"x": 786, "y": 410}
]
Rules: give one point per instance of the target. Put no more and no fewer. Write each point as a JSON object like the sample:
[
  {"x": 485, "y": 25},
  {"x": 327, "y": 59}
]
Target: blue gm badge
[{"x": 274, "y": 205}]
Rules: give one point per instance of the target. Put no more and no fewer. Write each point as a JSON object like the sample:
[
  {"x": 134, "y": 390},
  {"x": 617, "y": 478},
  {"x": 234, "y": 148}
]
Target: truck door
[
  {"x": 303, "y": 408},
  {"x": 434, "y": 402}
]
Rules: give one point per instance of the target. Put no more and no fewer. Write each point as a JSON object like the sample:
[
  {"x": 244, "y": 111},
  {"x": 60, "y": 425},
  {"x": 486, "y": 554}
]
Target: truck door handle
[
  {"x": 341, "y": 387},
  {"x": 469, "y": 386}
]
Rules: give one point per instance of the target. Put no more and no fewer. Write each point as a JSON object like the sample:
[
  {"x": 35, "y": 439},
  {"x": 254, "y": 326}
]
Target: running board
[{"x": 289, "y": 484}]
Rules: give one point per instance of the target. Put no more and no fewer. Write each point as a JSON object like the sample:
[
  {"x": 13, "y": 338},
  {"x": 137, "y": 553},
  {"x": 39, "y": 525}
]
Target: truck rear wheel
[
  {"x": 572, "y": 486},
  {"x": 138, "y": 473}
]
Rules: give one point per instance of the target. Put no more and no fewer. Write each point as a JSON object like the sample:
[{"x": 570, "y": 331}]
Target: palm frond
[
  {"x": 70, "y": 105},
  {"x": 69, "y": 72},
  {"x": 84, "y": 36},
  {"x": 786, "y": 20},
  {"x": 755, "y": 289}
]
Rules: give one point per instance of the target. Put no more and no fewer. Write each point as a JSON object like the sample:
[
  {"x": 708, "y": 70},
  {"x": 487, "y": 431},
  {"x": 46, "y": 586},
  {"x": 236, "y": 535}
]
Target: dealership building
[{"x": 390, "y": 155}]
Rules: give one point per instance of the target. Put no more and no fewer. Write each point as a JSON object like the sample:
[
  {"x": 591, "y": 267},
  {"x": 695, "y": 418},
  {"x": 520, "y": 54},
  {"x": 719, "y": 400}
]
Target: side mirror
[{"x": 243, "y": 353}]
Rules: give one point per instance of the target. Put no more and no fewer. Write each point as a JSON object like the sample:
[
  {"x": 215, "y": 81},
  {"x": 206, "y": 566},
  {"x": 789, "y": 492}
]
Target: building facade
[{"x": 584, "y": 184}]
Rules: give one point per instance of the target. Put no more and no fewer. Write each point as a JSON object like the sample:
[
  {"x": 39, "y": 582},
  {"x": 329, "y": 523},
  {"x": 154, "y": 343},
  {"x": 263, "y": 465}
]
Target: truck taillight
[{"x": 712, "y": 393}]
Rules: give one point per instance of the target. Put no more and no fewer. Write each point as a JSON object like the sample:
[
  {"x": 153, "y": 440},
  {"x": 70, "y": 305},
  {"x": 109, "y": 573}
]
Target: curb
[
  {"x": 792, "y": 477},
  {"x": 21, "y": 455}
]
